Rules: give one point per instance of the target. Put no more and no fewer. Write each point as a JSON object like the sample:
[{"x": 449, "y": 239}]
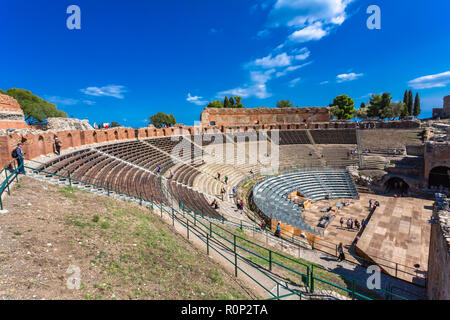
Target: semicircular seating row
[
  {"x": 271, "y": 195},
  {"x": 133, "y": 166}
]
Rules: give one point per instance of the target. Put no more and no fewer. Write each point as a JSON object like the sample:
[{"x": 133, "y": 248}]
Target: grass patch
[{"x": 68, "y": 192}]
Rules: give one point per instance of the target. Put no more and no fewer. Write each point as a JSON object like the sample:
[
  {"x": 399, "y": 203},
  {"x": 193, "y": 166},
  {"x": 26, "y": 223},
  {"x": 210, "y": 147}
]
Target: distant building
[{"x": 443, "y": 112}]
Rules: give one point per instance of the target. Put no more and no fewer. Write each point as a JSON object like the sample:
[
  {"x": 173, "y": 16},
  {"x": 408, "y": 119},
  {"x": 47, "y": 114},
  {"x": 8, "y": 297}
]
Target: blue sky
[{"x": 133, "y": 58}]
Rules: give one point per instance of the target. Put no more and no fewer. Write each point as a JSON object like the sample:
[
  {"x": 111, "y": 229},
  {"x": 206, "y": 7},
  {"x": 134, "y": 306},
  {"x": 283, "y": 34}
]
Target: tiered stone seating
[
  {"x": 334, "y": 136},
  {"x": 271, "y": 195}
]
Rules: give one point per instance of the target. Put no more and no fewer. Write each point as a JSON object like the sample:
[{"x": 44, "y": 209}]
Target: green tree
[
  {"x": 35, "y": 109},
  {"x": 238, "y": 102},
  {"x": 410, "y": 103},
  {"x": 162, "y": 119},
  {"x": 361, "y": 113},
  {"x": 342, "y": 108},
  {"x": 416, "y": 110},
  {"x": 226, "y": 103},
  {"x": 114, "y": 124},
  {"x": 284, "y": 104},
  {"x": 405, "y": 98},
  {"x": 379, "y": 106},
  {"x": 215, "y": 104},
  {"x": 231, "y": 100}
]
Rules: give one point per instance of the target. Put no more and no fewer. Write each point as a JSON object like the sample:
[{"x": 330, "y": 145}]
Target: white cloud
[
  {"x": 294, "y": 82},
  {"x": 263, "y": 33},
  {"x": 89, "y": 102},
  {"x": 302, "y": 54},
  {"x": 61, "y": 101},
  {"x": 67, "y": 101},
  {"x": 114, "y": 91},
  {"x": 298, "y": 13},
  {"x": 291, "y": 68},
  {"x": 281, "y": 60},
  {"x": 348, "y": 77},
  {"x": 258, "y": 88},
  {"x": 196, "y": 100},
  {"x": 311, "y": 19},
  {"x": 309, "y": 33},
  {"x": 325, "y": 82},
  {"x": 439, "y": 80}
]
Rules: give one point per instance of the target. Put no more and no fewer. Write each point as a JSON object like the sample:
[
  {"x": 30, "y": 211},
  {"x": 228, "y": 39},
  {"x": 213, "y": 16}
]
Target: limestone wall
[
  {"x": 263, "y": 116},
  {"x": 438, "y": 282},
  {"x": 436, "y": 155},
  {"x": 11, "y": 115},
  {"x": 63, "y": 124}
]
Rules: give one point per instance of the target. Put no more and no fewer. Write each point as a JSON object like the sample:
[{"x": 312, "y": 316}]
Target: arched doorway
[
  {"x": 41, "y": 145},
  {"x": 439, "y": 176},
  {"x": 396, "y": 185}
]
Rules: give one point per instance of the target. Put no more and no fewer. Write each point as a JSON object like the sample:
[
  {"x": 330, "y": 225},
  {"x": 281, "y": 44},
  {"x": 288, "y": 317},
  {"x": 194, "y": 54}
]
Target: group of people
[
  {"x": 373, "y": 204},
  {"x": 351, "y": 224},
  {"x": 225, "y": 179}
]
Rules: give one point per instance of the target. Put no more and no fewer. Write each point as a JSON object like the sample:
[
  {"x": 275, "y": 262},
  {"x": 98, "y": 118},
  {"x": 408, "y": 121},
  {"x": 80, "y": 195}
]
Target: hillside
[{"x": 122, "y": 250}]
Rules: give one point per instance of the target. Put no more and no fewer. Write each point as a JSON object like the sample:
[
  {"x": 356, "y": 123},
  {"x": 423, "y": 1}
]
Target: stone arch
[
  {"x": 396, "y": 185},
  {"x": 126, "y": 134},
  {"x": 41, "y": 145},
  {"x": 439, "y": 176},
  {"x": 70, "y": 140},
  {"x": 94, "y": 135},
  {"x": 116, "y": 135}
]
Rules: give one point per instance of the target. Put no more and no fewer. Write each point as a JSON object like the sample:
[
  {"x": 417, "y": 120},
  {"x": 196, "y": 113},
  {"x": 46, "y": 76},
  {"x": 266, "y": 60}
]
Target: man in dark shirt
[{"x": 19, "y": 157}]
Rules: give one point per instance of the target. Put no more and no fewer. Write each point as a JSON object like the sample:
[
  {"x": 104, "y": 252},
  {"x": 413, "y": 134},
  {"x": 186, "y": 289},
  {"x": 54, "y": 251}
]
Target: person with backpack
[
  {"x": 58, "y": 145},
  {"x": 18, "y": 154},
  {"x": 278, "y": 231},
  {"x": 340, "y": 250}
]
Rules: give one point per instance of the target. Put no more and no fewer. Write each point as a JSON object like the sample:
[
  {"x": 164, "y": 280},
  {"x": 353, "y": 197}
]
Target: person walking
[
  {"x": 342, "y": 222},
  {"x": 278, "y": 231},
  {"x": 18, "y": 155},
  {"x": 340, "y": 250},
  {"x": 58, "y": 145},
  {"x": 226, "y": 179}
]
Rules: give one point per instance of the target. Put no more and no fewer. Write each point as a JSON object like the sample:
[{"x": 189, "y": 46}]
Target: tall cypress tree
[
  {"x": 405, "y": 97},
  {"x": 226, "y": 103},
  {"x": 416, "y": 111},
  {"x": 410, "y": 103}
]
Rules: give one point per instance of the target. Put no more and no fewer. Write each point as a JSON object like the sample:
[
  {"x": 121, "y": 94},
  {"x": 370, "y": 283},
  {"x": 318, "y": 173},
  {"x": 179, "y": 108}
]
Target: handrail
[
  {"x": 5, "y": 184},
  {"x": 309, "y": 275}
]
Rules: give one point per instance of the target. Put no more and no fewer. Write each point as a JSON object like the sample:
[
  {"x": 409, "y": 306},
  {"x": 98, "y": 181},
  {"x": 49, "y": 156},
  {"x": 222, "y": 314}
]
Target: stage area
[{"x": 396, "y": 237}]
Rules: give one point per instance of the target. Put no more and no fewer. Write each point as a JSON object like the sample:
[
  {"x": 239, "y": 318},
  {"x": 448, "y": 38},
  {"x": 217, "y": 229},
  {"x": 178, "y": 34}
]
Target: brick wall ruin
[
  {"x": 263, "y": 116},
  {"x": 11, "y": 115},
  {"x": 438, "y": 283}
]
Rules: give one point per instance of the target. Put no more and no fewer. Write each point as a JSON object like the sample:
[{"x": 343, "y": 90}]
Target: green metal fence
[{"x": 216, "y": 237}]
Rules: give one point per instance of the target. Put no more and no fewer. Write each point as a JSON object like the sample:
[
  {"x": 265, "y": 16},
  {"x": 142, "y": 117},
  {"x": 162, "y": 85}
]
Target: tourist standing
[
  {"x": 58, "y": 145},
  {"x": 341, "y": 256},
  {"x": 18, "y": 155}
]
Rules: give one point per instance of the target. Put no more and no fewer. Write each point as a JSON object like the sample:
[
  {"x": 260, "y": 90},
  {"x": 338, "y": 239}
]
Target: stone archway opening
[
  {"x": 396, "y": 185},
  {"x": 439, "y": 177}
]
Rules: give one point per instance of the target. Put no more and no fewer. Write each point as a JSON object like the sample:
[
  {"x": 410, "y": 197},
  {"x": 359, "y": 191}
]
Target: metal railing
[
  {"x": 9, "y": 178},
  {"x": 215, "y": 236}
]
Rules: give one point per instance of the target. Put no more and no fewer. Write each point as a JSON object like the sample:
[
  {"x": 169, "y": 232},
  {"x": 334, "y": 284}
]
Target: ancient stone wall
[
  {"x": 263, "y": 116},
  {"x": 437, "y": 154},
  {"x": 64, "y": 124},
  {"x": 438, "y": 280},
  {"x": 446, "y": 111},
  {"x": 11, "y": 115}
]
